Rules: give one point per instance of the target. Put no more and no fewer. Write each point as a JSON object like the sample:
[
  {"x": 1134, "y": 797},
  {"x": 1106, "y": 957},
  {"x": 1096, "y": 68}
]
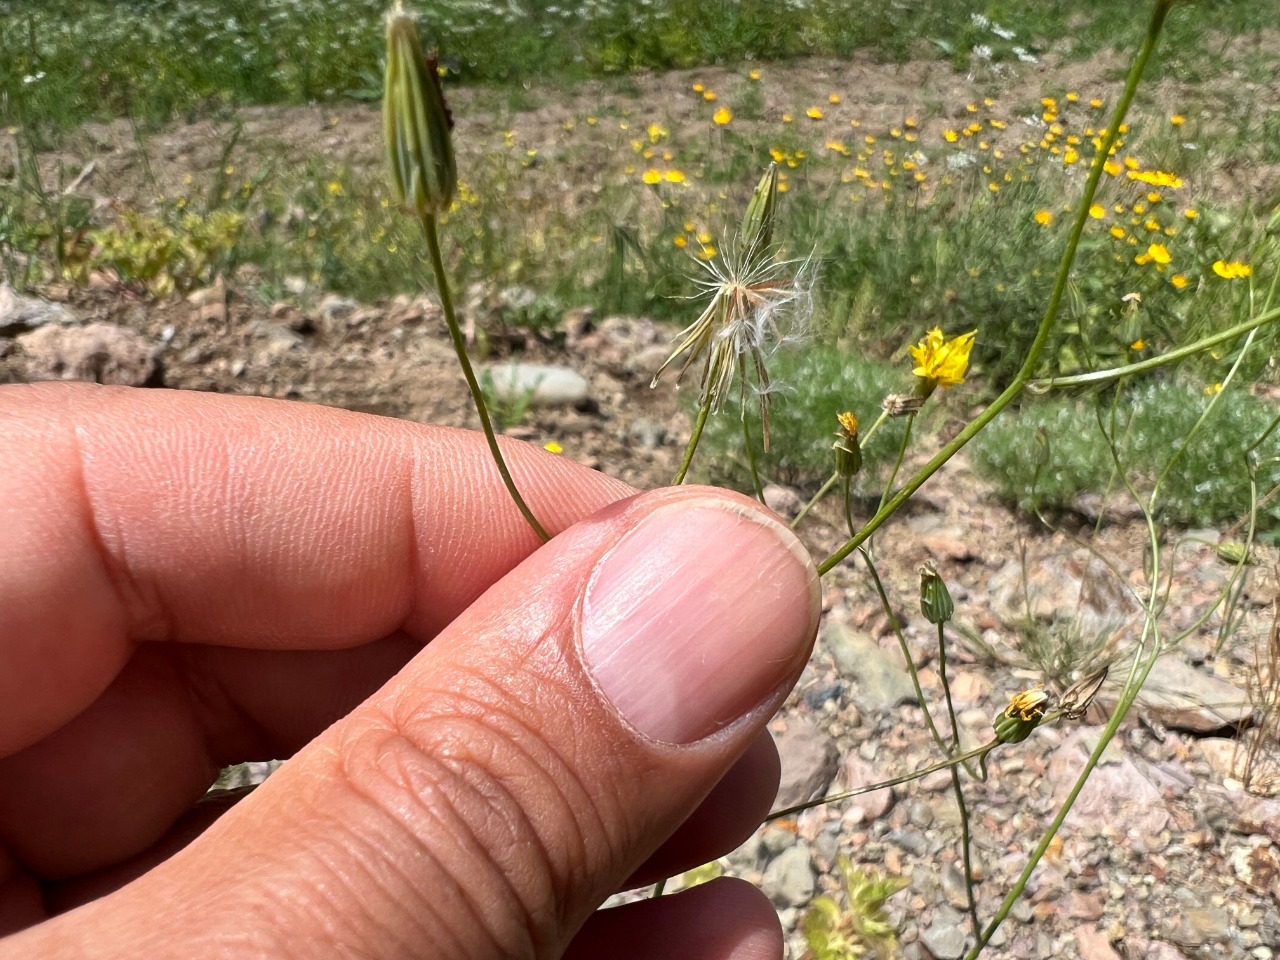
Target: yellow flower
[
  {"x": 1111, "y": 167},
  {"x": 1044, "y": 217},
  {"x": 942, "y": 361},
  {"x": 786, "y": 118},
  {"x": 1178, "y": 281},
  {"x": 838, "y": 147},
  {"x": 753, "y": 75},
  {"x": 1157, "y": 178},
  {"x": 1191, "y": 213},
  {"x": 833, "y": 98},
  {"x": 552, "y": 447},
  {"x": 1138, "y": 344},
  {"x": 656, "y": 132},
  {"x": 1097, "y": 211},
  {"x": 1177, "y": 119},
  {"x": 1096, "y": 103},
  {"x": 673, "y": 176},
  {"x": 722, "y": 116},
  {"x": 651, "y": 176},
  {"x": 1233, "y": 270},
  {"x": 680, "y": 241},
  {"x": 1159, "y": 253},
  {"x": 1212, "y": 389},
  {"x": 708, "y": 95},
  {"x": 950, "y": 136},
  {"x": 814, "y": 113},
  {"x": 698, "y": 88}
]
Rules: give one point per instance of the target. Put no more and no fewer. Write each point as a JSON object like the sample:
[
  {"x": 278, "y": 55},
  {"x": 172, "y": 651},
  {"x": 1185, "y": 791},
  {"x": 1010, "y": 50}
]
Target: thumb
[{"x": 517, "y": 771}]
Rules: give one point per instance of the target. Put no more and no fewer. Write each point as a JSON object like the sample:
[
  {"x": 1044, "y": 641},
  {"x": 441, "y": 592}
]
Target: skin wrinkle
[
  {"x": 435, "y": 820},
  {"x": 134, "y": 608},
  {"x": 476, "y": 753}
]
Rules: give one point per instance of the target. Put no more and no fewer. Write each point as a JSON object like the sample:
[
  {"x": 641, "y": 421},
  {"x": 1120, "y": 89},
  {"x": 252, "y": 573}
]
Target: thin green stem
[
  {"x": 884, "y": 784},
  {"x": 966, "y": 843},
  {"x": 1029, "y": 363},
  {"x": 966, "y": 852},
  {"x": 817, "y": 497},
  {"x": 692, "y": 446},
  {"x": 906, "y": 651},
  {"x": 1099, "y": 377},
  {"x": 746, "y": 436},
  {"x": 428, "y": 222},
  {"x": 897, "y": 464}
]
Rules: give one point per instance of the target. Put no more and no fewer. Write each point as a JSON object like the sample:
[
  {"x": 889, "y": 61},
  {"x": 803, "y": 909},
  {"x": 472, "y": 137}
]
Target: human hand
[{"x": 488, "y": 738}]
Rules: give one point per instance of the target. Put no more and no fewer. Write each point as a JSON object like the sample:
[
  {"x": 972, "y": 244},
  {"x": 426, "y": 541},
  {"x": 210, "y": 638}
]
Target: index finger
[{"x": 130, "y": 516}]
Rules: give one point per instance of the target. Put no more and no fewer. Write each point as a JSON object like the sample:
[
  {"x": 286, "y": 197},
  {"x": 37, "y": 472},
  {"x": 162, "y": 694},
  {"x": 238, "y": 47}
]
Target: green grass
[
  {"x": 64, "y": 61},
  {"x": 1151, "y": 424}
]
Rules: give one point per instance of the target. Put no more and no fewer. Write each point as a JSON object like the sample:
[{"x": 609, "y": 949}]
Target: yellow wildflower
[
  {"x": 722, "y": 116},
  {"x": 942, "y": 361},
  {"x": 1159, "y": 253},
  {"x": 651, "y": 176},
  {"x": 1177, "y": 119},
  {"x": 753, "y": 75},
  {"x": 1178, "y": 281},
  {"x": 673, "y": 176},
  {"x": 1097, "y": 211},
  {"x": 1233, "y": 270},
  {"x": 950, "y": 136},
  {"x": 552, "y": 447},
  {"x": 1044, "y": 217},
  {"x": 814, "y": 113}
]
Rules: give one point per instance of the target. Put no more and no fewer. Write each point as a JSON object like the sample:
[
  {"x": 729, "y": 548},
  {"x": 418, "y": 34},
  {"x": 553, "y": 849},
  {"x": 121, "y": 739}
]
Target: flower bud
[
  {"x": 756, "y": 235},
  {"x": 1015, "y": 722},
  {"x": 848, "y": 450},
  {"x": 935, "y": 599},
  {"x": 416, "y": 123}
]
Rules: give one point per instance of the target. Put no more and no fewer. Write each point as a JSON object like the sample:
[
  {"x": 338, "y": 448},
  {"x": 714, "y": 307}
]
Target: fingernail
[{"x": 697, "y": 615}]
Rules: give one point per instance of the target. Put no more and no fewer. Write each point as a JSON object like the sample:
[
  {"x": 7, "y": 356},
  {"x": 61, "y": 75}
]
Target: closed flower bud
[
  {"x": 848, "y": 450},
  {"x": 935, "y": 599},
  {"x": 756, "y": 235},
  {"x": 1015, "y": 722},
  {"x": 416, "y": 123}
]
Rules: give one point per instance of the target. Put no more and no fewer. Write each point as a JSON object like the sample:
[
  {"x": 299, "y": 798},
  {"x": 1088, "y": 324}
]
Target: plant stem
[
  {"x": 1023, "y": 376},
  {"x": 817, "y": 497},
  {"x": 1098, "y": 377},
  {"x": 428, "y": 222},
  {"x": 693, "y": 443}
]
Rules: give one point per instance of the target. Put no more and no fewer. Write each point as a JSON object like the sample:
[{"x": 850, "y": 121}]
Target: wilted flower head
[
  {"x": 757, "y": 303},
  {"x": 1015, "y": 722}
]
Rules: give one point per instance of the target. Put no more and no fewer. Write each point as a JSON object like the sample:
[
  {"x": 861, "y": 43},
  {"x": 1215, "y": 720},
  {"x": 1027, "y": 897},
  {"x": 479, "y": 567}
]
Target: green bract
[{"x": 416, "y": 123}]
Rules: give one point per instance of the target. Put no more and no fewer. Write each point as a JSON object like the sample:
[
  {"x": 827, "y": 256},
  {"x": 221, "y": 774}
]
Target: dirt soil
[{"x": 1169, "y": 888}]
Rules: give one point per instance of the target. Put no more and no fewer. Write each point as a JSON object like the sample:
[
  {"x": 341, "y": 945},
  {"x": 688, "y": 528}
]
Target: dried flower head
[
  {"x": 757, "y": 303},
  {"x": 1015, "y": 722}
]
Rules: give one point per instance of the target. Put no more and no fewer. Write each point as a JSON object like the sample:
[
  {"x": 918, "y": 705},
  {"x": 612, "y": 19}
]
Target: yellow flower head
[
  {"x": 1233, "y": 270},
  {"x": 1044, "y": 217},
  {"x": 942, "y": 361},
  {"x": 1158, "y": 253},
  {"x": 814, "y": 113},
  {"x": 722, "y": 116}
]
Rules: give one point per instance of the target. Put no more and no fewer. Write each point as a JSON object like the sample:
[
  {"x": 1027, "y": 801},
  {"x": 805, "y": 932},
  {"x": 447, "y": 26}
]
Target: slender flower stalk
[{"x": 423, "y": 174}]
